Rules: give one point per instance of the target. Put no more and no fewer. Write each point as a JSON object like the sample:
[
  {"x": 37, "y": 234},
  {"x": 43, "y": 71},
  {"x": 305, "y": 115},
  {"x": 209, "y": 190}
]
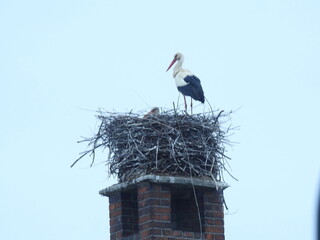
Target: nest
[{"x": 171, "y": 143}]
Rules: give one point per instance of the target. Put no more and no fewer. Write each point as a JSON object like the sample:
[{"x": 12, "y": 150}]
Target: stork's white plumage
[{"x": 187, "y": 83}]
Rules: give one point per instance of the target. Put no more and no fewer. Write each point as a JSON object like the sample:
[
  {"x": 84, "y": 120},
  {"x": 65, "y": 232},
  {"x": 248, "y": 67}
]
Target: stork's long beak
[{"x": 173, "y": 61}]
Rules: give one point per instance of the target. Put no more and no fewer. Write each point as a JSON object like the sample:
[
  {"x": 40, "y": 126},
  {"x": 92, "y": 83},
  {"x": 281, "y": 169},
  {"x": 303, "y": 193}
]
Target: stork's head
[
  {"x": 177, "y": 57},
  {"x": 155, "y": 111}
]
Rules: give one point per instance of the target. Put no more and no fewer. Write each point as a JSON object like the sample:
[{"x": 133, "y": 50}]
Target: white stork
[{"x": 187, "y": 83}]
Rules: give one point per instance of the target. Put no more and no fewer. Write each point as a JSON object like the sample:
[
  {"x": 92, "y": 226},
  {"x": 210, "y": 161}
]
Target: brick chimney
[{"x": 166, "y": 207}]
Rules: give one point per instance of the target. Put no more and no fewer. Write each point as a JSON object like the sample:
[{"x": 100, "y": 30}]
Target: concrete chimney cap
[{"x": 172, "y": 180}]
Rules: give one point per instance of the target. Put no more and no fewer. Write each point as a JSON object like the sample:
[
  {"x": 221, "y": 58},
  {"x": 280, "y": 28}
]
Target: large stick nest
[{"x": 171, "y": 143}]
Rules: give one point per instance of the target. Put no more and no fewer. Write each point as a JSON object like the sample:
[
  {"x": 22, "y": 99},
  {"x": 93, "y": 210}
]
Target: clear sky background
[{"x": 60, "y": 61}]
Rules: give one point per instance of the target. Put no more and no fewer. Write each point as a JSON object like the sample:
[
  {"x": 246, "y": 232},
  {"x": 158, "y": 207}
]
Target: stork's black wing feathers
[{"x": 193, "y": 88}]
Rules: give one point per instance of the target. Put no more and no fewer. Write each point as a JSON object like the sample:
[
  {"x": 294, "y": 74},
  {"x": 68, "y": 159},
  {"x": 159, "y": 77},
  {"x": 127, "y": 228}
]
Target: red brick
[
  {"x": 218, "y": 208},
  {"x": 188, "y": 234},
  {"x": 209, "y": 221},
  {"x": 218, "y": 214},
  {"x": 145, "y": 225},
  {"x": 145, "y": 234},
  {"x": 166, "y": 217},
  {"x": 143, "y": 189},
  {"x": 209, "y": 214},
  {"x": 115, "y": 221},
  {"x": 214, "y": 229},
  {"x": 166, "y": 232},
  {"x": 219, "y": 237},
  {"x": 218, "y": 229},
  {"x": 208, "y": 206},
  {"x": 162, "y": 210},
  {"x": 149, "y": 202},
  {"x": 208, "y": 194},
  {"x": 209, "y": 236},
  {"x": 143, "y": 196},
  {"x": 161, "y": 195},
  {"x": 177, "y": 233},
  {"x": 114, "y": 206},
  {"x": 156, "y": 217},
  {"x": 161, "y": 224},
  {"x": 145, "y": 218},
  {"x": 213, "y": 199},
  {"x": 144, "y": 211},
  {"x": 218, "y": 222},
  {"x": 115, "y": 213},
  {"x": 156, "y": 231},
  {"x": 153, "y": 201}
]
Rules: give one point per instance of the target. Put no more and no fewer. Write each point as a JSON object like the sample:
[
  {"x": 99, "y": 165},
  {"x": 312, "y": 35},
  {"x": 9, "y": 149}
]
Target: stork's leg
[
  {"x": 185, "y": 103},
  {"x": 191, "y": 105}
]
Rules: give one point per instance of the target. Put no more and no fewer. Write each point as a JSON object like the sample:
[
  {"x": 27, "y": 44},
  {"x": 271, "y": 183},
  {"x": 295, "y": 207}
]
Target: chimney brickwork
[{"x": 149, "y": 210}]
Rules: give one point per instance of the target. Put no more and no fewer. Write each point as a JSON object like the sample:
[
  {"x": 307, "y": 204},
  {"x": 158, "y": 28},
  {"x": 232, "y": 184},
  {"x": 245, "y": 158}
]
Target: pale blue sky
[{"x": 58, "y": 58}]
